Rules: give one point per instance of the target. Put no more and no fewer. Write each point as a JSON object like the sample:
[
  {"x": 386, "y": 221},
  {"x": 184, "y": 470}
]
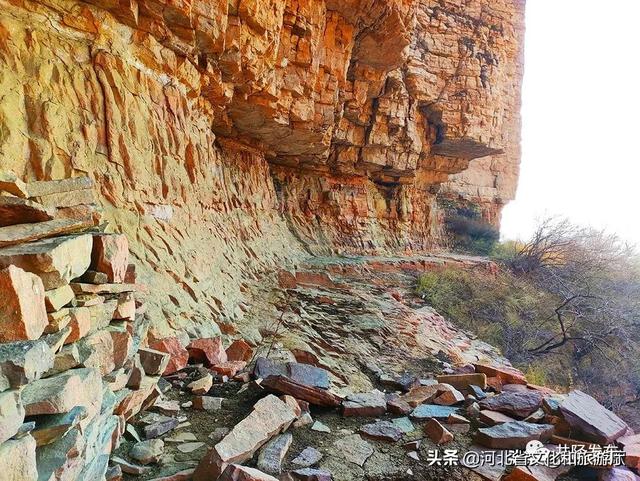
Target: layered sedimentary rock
[{"x": 228, "y": 137}]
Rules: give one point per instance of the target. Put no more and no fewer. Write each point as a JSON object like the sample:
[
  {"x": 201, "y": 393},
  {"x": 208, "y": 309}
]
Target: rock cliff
[{"x": 230, "y": 137}]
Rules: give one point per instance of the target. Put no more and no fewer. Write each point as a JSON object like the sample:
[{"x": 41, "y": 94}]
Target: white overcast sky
[{"x": 581, "y": 117}]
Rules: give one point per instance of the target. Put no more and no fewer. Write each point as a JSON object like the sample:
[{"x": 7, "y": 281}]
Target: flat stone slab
[
  {"x": 382, "y": 431},
  {"x": 23, "y": 362},
  {"x": 513, "y": 435},
  {"x": 18, "y": 459},
  {"x": 311, "y": 394},
  {"x": 14, "y": 210},
  {"x": 590, "y": 418},
  {"x": 11, "y": 414},
  {"x": 61, "y": 393},
  {"x": 308, "y": 457},
  {"x": 463, "y": 381},
  {"x": 47, "y": 187},
  {"x": 23, "y": 315},
  {"x": 492, "y": 418},
  {"x": 269, "y": 417},
  {"x": 310, "y": 474},
  {"x": 49, "y": 428},
  {"x": 508, "y": 375},
  {"x": 372, "y": 404},
  {"x": 236, "y": 472},
  {"x": 515, "y": 403},
  {"x": 300, "y": 373},
  {"x": 21, "y": 233},
  {"x": 56, "y": 261},
  {"x": 426, "y": 411},
  {"x": 353, "y": 449},
  {"x": 272, "y": 455}
]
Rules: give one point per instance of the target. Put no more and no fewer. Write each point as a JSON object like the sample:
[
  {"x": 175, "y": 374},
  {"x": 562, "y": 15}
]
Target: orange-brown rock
[
  {"x": 220, "y": 137},
  {"x": 208, "y": 350},
  {"x": 110, "y": 255},
  {"x": 239, "y": 350},
  {"x": 508, "y": 375},
  {"x": 179, "y": 356},
  {"x": 23, "y": 315},
  {"x": 437, "y": 432}
]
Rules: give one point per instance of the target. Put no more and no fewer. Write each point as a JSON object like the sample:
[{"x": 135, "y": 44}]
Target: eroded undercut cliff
[{"x": 230, "y": 137}]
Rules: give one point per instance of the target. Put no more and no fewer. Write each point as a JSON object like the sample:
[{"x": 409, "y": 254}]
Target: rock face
[{"x": 223, "y": 136}]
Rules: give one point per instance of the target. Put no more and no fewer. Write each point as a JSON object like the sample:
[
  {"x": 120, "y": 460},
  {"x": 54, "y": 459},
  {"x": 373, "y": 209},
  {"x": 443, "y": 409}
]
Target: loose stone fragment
[
  {"x": 272, "y": 455},
  {"x": 448, "y": 396},
  {"x": 320, "y": 427},
  {"x": 313, "y": 395},
  {"x": 153, "y": 362},
  {"x": 160, "y": 427},
  {"x": 508, "y": 375},
  {"x": 437, "y": 432},
  {"x": 371, "y": 404},
  {"x": 11, "y": 414},
  {"x": 18, "y": 459},
  {"x": 513, "y": 435},
  {"x": 398, "y": 406},
  {"x": 189, "y": 447},
  {"x": 61, "y": 393},
  {"x": 21, "y": 233},
  {"x": 514, "y": 403},
  {"x": 56, "y": 299},
  {"x": 23, "y": 362},
  {"x": 464, "y": 381},
  {"x": 128, "y": 467},
  {"x": 425, "y": 411},
  {"x": 110, "y": 255},
  {"x": 310, "y": 474},
  {"x": 14, "y": 210},
  {"x": 147, "y": 452},
  {"x": 235, "y": 472},
  {"x": 269, "y": 417},
  {"x": 308, "y": 457},
  {"x": 22, "y": 309},
  {"x": 207, "y": 403},
  {"x": 593, "y": 420},
  {"x": 354, "y": 449},
  {"x": 493, "y": 418},
  {"x": 56, "y": 261},
  {"x": 382, "y": 431},
  {"x": 201, "y": 386},
  {"x": 48, "y": 187},
  {"x": 114, "y": 473},
  {"x": 11, "y": 183},
  {"x": 239, "y": 350},
  {"x": 229, "y": 368},
  {"x": 208, "y": 351},
  {"x": 51, "y": 427},
  {"x": 178, "y": 355}
]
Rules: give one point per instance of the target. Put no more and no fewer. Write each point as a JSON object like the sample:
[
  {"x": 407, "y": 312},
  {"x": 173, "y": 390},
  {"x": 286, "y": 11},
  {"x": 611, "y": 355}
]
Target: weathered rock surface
[
  {"x": 56, "y": 261},
  {"x": 516, "y": 404},
  {"x": 18, "y": 459},
  {"x": 11, "y": 414},
  {"x": 269, "y": 417},
  {"x": 514, "y": 435},
  {"x": 273, "y": 454},
  {"x": 354, "y": 108},
  {"x": 591, "y": 419},
  {"x": 373, "y": 404},
  {"x": 24, "y": 361},
  {"x": 22, "y": 308}
]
